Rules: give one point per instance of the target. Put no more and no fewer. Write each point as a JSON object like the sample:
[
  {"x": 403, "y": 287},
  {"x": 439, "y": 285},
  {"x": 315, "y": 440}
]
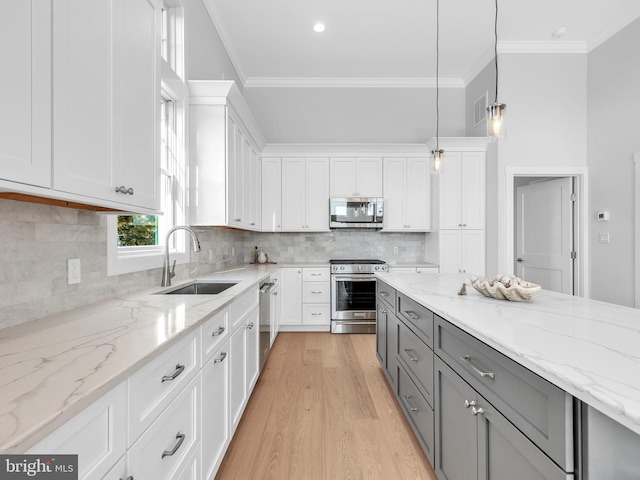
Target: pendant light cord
[
  {"x": 495, "y": 49},
  {"x": 438, "y": 75}
]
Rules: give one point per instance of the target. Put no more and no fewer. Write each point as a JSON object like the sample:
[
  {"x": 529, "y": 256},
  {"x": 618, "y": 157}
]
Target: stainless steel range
[{"x": 353, "y": 295}]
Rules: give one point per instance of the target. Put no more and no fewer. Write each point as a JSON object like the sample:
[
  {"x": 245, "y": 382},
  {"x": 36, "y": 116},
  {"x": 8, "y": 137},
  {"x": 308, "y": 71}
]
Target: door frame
[{"x": 581, "y": 219}]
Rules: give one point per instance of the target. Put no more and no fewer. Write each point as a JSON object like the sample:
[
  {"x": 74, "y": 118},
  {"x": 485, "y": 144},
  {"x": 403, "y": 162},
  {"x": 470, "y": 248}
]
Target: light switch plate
[
  {"x": 604, "y": 238},
  {"x": 73, "y": 271}
]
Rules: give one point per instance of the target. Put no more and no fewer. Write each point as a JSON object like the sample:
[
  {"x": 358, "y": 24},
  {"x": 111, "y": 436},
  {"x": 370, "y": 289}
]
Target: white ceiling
[{"x": 386, "y": 43}]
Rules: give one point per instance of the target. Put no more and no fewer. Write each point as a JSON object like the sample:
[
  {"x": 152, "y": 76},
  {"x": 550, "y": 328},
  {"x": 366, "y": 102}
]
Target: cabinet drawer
[
  {"x": 97, "y": 435},
  {"x": 214, "y": 332},
  {"x": 417, "y": 357},
  {"x": 417, "y": 316},
  {"x": 162, "y": 450},
  {"x": 386, "y": 293},
  {"x": 314, "y": 292},
  {"x": 418, "y": 410},
  {"x": 316, "y": 274},
  {"x": 156, "y": 384},
  {"x": 536, "y": 407},
  {"x": 241, "y": 306},
  {"x": 316, "y": 314}
]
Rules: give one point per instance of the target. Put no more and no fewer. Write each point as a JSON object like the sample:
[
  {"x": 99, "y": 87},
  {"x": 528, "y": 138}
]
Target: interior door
[{"x": 544, "y": 234}]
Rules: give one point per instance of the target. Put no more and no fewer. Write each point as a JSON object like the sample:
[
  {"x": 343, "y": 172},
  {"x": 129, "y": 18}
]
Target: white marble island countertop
[
  {"x": 588, "y": 348},
  {"x": 51, "y": 369}
]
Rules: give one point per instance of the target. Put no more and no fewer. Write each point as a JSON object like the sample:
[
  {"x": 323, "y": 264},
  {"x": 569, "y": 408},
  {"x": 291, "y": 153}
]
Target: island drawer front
[
  {"x": 156, "y": 384},
  {"x": 542, "y": 411},
  {"x": 417, "y": 316},
  {"x": 165, "y": 447},
  {"x": 418, "y": 411},
  {"x": 386, "y": 293},
  {"x": 214, "y": 332},
  {"x": 417, "y": 358},
  {"x": 322, "y": 274}
]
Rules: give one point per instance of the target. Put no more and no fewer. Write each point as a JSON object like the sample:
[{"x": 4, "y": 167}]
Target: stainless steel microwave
[{"x": 356, "y": 212}]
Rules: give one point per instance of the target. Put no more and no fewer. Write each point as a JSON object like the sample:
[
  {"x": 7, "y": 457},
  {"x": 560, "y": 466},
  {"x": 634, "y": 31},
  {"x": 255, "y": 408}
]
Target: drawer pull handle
[
  {"x": 384, "y": 294},
  {"x": 411, "y": 407},
  {"x": 168, "y": 378},
  {"x": 411, "y": 315},
  {"x": 411, "y": 354},
  {"x": 130, "y": 477},
  {"x": 316, "y": 314},
  {"x": 221, "y": 358},
  {"x": 220, "y": 331},
  {"x": 180, "y": 438},
  {"x": 467, "y": 359},
  {"x": 477, "y": 411},
  {"x": 316, "y": 274},
  {"x": 469, "y": 404},
  {"x": 316, "y": 293}
]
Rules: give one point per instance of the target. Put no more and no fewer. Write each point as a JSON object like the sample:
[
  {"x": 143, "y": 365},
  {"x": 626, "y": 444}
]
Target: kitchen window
[{"x": 136, "y": 242}]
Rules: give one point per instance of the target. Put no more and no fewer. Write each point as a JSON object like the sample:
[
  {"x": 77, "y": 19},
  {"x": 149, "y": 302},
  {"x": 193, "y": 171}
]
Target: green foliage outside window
[{"x": 134, "y": 230}]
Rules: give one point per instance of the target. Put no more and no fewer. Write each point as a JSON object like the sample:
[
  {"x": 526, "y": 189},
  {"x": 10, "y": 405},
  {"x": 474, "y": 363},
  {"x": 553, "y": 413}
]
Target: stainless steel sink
[{"x": 201, "y": 288}]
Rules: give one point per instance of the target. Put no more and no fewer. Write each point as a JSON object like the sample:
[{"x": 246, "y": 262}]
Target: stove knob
[
  {"x": 359, "y": 268},
  {"x": 342, "y": 267}
]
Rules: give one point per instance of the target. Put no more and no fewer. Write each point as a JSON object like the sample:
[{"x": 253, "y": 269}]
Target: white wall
[
  {"x": 614, "y": 136},
  {"x": 207, "y": 58},
  {"x": 546, "y": 97}
]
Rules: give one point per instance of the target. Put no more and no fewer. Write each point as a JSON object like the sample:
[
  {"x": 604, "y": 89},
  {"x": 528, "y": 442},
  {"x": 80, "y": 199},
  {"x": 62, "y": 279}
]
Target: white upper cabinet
[
  {"x": 305, "y": 194},
  {"x": 271, "y": 195},
  {"x": 407, "y": 195},
  {"x": 106, "y": 86},
  {"x": 356, "y": 177},
  {"x": 462, "y": 190},
  {"x": 25, "y": 125},
  {"x": 225, "y": 160}
]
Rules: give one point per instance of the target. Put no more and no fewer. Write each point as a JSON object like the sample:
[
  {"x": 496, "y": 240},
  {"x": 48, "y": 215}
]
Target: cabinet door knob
[
  {"x": 477, "y": 411},
  {"x": 124, "y": 190},
  {"x": 519, "y": 260},
  {"x": 469, "y": 404}
]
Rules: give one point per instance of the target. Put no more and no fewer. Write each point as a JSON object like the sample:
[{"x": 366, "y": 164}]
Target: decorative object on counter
[
  {"x": 262, "y": 258},
  {"x": 502, "y": 287},
  {"x": 255, "y": 255}
]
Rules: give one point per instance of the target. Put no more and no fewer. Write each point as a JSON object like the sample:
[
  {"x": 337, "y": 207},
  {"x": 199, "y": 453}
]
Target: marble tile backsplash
[{"x": 37, "y": 240}]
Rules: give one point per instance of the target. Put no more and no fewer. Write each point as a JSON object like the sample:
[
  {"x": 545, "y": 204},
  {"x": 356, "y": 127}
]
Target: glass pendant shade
[
  {"x": 436, "y": 161},
  {"x": 495, "y": 120}
]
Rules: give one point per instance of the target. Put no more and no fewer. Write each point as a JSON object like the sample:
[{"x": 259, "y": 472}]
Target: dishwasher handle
[{"x": 267, "y": 287}]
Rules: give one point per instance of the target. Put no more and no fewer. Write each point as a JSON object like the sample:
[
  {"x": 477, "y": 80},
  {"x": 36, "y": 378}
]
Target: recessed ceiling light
[
  {"x": 560, "y": 32},
  {"x": 319, "y": 27}
]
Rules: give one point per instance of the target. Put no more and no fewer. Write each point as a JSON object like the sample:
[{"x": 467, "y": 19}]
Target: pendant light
[
  {"x": 436, "y": 153},
  {"x": 495, "y": 112}
]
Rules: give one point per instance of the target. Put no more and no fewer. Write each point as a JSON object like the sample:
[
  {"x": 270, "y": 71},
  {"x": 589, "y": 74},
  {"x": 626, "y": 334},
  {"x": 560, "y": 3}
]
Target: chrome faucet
[{"x": 167, "y": 274}]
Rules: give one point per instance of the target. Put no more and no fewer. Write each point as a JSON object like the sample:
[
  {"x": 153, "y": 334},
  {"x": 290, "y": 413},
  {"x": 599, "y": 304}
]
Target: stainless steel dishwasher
[{"x": 265, "y": 320}]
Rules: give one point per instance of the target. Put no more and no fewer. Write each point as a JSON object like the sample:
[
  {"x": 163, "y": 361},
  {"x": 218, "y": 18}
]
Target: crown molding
[
  {"x": 346, "y": 82},
  {"x": 224, "y": 38},
  {"x": 479, "y": 65},
  {"x": 555, "y": 46},
  {"x": 612, "y": 29}
]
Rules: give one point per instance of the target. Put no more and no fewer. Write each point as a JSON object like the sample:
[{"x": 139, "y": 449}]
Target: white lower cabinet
[
  {"x": 162, "y": 450},
  {"x": 98, "y": 435},
  {"x": 171, "y": 419},
  {"x": 305, "y": 297},
  {"x": 215, "y": 411}
]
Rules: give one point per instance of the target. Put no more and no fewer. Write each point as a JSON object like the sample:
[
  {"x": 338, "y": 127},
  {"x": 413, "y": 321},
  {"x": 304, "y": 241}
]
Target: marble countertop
[
  {"x": 51, "y": 369},
  {"x": 412, "y": 264},
  {"x": 588, "y": 348}
]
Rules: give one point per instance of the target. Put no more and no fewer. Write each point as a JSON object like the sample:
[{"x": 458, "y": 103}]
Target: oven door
[{"x": 353, "y": 297}]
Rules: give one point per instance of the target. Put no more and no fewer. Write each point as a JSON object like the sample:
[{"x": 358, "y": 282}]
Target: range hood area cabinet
[
  {"x": 457, "y": 242},
  {"x": 225, "y": 141},
  {"x": 82, "y": 117}
]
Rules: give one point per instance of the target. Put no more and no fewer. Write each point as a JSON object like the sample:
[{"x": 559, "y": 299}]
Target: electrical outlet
[
  {"x": 290, "y": 251},
  {"x": 73, "y": 271},
  {"x": 395, "y": 250}
]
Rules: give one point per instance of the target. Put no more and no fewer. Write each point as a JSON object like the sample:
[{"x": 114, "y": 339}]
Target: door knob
[{"x": 519, "y": 260}]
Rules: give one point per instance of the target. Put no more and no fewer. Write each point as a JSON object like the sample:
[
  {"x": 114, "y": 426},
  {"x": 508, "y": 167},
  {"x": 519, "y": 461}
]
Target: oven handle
[{"x": 360, "y": 277}]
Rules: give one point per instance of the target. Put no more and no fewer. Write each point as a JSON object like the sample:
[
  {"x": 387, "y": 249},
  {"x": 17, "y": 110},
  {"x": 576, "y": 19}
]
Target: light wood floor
[{"x": 322, "y": 409}]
